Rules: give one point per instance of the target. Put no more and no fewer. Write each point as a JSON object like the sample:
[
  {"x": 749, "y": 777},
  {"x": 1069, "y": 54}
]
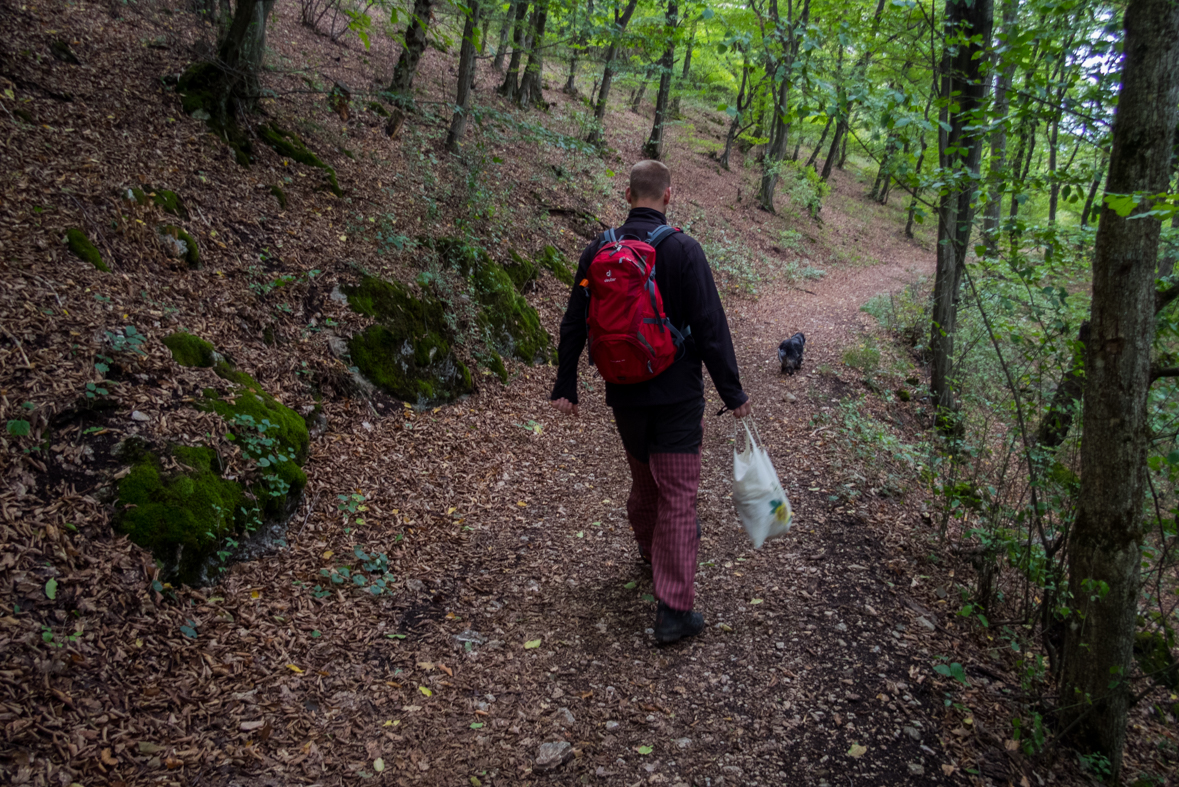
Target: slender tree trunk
[
  {"x": 962, "y": 153},
  {"x": 502, "y": 50},
  {"x": 636, "y": 97},
  {"x": 620, "y": 22},
  {"x": 923, "y": 147},
  {"x": 810, "y": 162},
  {"x": 840, "y": 118},
  {"x": 839, "y": 143},
  {"x": 882, "y": 177},
  {"x": 466, "y": 76},
  {"x": 1088, "y": 211},
  {"x": 579, "y": 44},
  {"x": 736, "y": 124},
  {"x": 511, "y": 83},
  {"x": 781, "y": 105},
  {"x": 998, "y": 159},
  {"x": 530, "y": 85},
  {"x": 1105, "y": 543},
  {"x": 843, "y": 148},
  {"x": 654, "y": 147},
  {"x": 1027, "y": 149}
]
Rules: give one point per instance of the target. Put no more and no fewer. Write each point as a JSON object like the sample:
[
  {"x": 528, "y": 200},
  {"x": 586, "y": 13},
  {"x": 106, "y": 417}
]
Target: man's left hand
[{"x": 743, "y": 410}]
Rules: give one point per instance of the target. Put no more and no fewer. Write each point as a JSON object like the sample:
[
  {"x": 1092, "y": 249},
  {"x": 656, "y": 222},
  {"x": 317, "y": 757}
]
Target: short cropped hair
[{"x": 649, "y": 179}]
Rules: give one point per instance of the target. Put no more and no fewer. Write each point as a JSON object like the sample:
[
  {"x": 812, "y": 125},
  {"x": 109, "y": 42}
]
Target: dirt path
[{"x": 798, "y": 663}]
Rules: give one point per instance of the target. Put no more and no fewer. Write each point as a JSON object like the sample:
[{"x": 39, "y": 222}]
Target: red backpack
[{"x": 630, "y": 338}]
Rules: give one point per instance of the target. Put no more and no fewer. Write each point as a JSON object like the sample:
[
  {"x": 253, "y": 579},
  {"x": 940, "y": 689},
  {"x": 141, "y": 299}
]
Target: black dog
[{"x": 790, "y": 353}]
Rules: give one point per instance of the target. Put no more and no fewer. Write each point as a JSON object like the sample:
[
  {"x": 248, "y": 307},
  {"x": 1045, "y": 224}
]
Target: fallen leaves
[
  {"x": 857, "y": 750},
  {"x": 532, "y": 644}
]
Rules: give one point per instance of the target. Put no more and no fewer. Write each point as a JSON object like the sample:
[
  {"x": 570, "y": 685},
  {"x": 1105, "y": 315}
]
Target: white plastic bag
[{"x": 761, "y": 502}]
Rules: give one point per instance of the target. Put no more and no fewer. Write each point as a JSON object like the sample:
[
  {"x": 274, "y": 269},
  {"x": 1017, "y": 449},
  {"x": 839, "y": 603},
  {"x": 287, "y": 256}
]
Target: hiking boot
[{"x": 671, "y": 624}]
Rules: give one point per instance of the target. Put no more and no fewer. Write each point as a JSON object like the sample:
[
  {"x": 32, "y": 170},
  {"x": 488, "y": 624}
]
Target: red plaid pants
[{"x": 662, "y": 512}]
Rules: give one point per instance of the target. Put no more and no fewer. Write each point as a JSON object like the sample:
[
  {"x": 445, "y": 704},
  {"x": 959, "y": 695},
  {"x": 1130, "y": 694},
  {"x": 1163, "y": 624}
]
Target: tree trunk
[
  {"x": 1105, "y": 544},
  {"x": 840, "y": 118},
  {"x": 923, "y": 147},
  {"x": 530, "y": 85},
  {"x": 466, "y": 75},
  {"x": 843, "y": 148},
  {"x": 1088, "y": 210},
  {"x": 654, "y": 147},
  {"x": 411, "y": 54},
  {"x": 810, "y": 162},
  {"x": 511, "y": 82},
  {"x": 736, "y": 124},
  {"x": 636, "y": 97},
  {"x": 779, "y": 138},
  {"x": 882, "y": 174},
  {"x": 502, "y": 50},
  {"x": 961, "y": 151},
  {"x": 578, "y": 44},
  {"x": 596, "y": 136},
  {"x": 998, "y": 159},
  {"x": 483, "y": 35},
  {"x": 231, "y": 84}
]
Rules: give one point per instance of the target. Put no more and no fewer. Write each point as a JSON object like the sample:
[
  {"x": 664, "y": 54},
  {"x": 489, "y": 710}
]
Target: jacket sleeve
[
  {"x": 710, "y": 327},
  {"x": 573, "y": 333}
]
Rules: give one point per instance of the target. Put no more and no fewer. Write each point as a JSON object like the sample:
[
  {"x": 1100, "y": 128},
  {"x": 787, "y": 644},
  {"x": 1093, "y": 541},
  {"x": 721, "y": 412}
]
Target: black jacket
[{"x": 689, "y": 299}]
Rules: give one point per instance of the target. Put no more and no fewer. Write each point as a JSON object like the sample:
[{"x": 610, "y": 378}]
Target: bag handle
[{"x": 753, "y": 437}]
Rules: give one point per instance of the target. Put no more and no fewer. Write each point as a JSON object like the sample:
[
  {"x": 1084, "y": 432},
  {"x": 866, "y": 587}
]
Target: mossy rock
[
  {"x": 168, "y": 201},
  {"x": 377, "y": 108},
  {"x": 288, "y": 426},
  {"x": 1152, "y": 651},
  {"x": 522, "y": 272},
  {"x": 510, "y": 325},
  {"x": 189, "y": 350},
  {"x": 84, "y": 250},
  {"x": 181, "y": 517},
  {"x": 288, "y": 144},
  {"x": 407, "y": 353},
  {"x": 192, "y": 252},
  {"x": 279, "y": 195},
  {"x": 552, "y": 260}
]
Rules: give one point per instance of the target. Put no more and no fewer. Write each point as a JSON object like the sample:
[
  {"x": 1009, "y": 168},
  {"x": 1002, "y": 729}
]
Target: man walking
[{"x": 660, "y": 421}]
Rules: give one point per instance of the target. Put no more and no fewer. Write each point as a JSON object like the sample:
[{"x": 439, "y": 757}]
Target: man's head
[{"x": 650, "y": 186}]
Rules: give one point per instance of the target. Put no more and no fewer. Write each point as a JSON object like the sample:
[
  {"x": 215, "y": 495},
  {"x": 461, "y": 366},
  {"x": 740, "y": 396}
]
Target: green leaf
[
  {"x": 51, "y": 589},
  {"x": 648, "y": 597},
  {"x": 316, "y": 634},
  {"x": 395, "y": 636},
  {"x": 19, "y": 428},
  {"x": 644, "y": 750},
  {"x": 476, "y": 725},
  {"x": 632, "y": 585},
  {"x": 532, "y": 644},
  {"x": 188, "y": 631}
]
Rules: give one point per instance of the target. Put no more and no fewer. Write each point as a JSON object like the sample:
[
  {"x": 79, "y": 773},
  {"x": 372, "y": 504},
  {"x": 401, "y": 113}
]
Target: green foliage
[
  {"x": 280, "y": 195},
  {"x": 864, "y": 357},
  {"x": 287, "y": 143},
  {"x": 251, "y": 400},
  {"x": 370, "y": 573},
  {"x": 805, "y": 187},
  {"x": 189, "y": 350},
  {"x": 84, "y": 250},
  {"x": 19, "y": 428},
  {"x": 127, "y": 340}
]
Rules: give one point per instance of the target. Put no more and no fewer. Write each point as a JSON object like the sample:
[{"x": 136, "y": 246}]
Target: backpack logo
[{"x": 630, "y": 338}]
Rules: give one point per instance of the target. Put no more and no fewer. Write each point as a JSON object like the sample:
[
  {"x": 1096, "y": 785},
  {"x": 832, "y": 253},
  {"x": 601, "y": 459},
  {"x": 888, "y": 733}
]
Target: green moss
[
  {"x": 522, "y": 272},
  {"x": 167, "y": 200},
  {"x": 553, "y": 261},
  {"x": 192, "y": 252},
  {"x": 181, "y": 517},
  {"x": 288, "y": 144},
  {"x": 252, "y": 400},
  {"x": 189, "y": 350},
  {"x": 510, "y": 325},
  {"x": 378, "y": 108},
  {"x": 84, "y": 250},
  {"x": 279, "y": 195},
  {"x": 408, "y": 352},
  {"x": 497, "y": 366}
]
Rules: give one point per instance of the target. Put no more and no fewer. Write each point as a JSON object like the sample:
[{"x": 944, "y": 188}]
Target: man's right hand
[
  {"x": 564, "y": 406},
  {"x": 743, "y": 410}
]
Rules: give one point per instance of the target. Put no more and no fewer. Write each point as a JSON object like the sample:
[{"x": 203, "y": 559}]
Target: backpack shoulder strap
[
  {"x": 660, "y": 234},
  {"x": 609, "y": 236}
]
